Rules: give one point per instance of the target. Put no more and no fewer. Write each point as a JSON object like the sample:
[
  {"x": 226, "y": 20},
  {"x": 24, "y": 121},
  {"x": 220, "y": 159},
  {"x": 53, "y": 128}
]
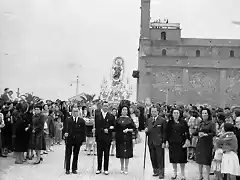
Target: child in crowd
[
  {"x": 89, "y": 121},
  {"x": 46, "y": 136},
  {"x": 59, "y": 128},
  {"x": 50, "y": 124},
  {"x": 217, "y": 160},
  {"x": 193, "y": 124},
  {"x": 134, "y": 114},
  {"x": 1, "y": 126},
  {"x": 89, "y": 134},
  {"x": 230, "y": 164},
  {"x": 113, "y": 143}
]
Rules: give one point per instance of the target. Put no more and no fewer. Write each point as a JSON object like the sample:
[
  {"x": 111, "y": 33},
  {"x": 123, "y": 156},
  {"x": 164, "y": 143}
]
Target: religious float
[{"x": 117, "y": 87}]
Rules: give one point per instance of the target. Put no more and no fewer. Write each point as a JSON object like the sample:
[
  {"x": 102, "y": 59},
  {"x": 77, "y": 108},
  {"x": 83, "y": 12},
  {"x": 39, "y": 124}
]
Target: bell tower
[{"x": 145, "y": 19}]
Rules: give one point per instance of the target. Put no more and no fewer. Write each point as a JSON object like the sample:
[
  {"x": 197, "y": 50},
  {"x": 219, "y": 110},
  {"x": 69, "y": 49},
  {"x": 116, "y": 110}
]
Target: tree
[{"x": 89, "y": 97}]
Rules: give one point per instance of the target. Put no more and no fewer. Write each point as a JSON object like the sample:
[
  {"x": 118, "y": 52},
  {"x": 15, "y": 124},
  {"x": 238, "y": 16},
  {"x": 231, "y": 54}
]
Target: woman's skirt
[
  {"x": 124, "y": 151},
  {"x": 38, "y": 142},
  {"x": 230, "y": 164},
  {"x": 177, "y": 154}
]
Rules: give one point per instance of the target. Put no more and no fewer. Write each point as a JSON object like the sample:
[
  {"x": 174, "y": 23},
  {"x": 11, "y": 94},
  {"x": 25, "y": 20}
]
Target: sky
[{"x": 46, "y": 44}]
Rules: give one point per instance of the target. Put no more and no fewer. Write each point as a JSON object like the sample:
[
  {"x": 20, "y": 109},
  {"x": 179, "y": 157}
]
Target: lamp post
[{"x": 77, "y": 86}]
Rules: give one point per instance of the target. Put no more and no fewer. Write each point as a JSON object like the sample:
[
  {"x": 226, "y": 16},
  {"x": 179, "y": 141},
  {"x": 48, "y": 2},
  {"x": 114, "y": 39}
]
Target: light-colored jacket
[
  {"x": 2, "y": 124},
  {"x": 229, "y": 141}
]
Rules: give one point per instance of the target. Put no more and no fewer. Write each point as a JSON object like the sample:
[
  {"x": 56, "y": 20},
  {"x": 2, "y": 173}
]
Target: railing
[{"x": 165, "y": 25}]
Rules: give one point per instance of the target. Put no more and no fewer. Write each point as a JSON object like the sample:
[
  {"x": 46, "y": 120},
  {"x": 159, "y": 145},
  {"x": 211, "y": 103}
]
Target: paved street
[{"x": 52, "y": 168}]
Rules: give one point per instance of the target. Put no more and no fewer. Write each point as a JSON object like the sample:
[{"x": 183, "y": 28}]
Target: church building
[{"x": 173, "y": 69}]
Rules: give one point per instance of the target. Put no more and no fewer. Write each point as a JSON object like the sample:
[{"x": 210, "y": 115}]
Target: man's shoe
[
  {"x": 74, "y": 172},
  {"x": 98, "y": 171},
  {"x": 155, "y": 174},
  {"x": 106, "y": 172},
  {"x": 161, "y": 176},
  {"x": 67, "y": 172}
]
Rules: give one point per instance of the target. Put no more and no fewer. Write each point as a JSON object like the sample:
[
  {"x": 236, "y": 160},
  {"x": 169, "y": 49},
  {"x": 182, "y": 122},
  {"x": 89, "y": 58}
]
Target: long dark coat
[
  {"x": 7, "y": 131},
  {"x": 124, "y": 143},
  {"x": 37, "y": 135},
  {"x": 177, "y": 134},
  {"x": 20, "y": 142},
  {"x": 28, "y": 121},
  {"x": 204, "y": 148},
  {"x": 51, "y": 128}
]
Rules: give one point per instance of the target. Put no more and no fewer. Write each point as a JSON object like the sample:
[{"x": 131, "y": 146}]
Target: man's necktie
[{"x": 153, "y": 120}]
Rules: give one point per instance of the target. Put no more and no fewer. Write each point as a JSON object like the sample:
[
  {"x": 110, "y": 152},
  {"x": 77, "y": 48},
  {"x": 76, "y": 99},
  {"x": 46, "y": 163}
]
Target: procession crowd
[{"x": 209, "y": 136}]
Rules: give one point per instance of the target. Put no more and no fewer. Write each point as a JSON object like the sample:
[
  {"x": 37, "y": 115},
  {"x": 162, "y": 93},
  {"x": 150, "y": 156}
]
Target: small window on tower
[
  {"x": 164, "y": 52},
  {"x": 231, "y": 53},
  {"x": 197, "y": 53},
  {"x": 163, "y": 36}
]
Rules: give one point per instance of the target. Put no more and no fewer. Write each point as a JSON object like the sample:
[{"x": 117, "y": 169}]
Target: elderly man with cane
[
  {"x": 75, "y": 135},
  {"x": 156, "y": 133}
]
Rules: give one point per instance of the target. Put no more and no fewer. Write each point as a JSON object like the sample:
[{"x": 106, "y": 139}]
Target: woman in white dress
[{"x": 230, "y": 163}]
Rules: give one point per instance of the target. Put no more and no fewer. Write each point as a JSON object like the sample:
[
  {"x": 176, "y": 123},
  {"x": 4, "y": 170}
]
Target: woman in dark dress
[
  {"x": 204, "y": 149},
  {"x": 20, "y": 132},
  {"x": 7, "y": 131},
  {"x": 29, "y": 116},
  {"x": 37, "y": 132},
  {"x": 124, "y": 146},
  {"x": 178, "y": 138}
]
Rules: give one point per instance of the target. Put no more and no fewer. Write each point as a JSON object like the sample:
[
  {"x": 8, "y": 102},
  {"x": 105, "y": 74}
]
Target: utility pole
[
  {"x": 77, "y": 86},
  {"x": 18, "y": 93}
]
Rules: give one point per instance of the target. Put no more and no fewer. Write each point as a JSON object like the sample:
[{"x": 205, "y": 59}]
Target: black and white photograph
[{"x": 119, "y": 89}]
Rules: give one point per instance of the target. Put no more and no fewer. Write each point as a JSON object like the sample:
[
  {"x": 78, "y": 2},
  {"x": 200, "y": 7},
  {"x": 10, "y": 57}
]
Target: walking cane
[
  {"x": 94, "y": 148},
  {"x": 64, "y": 165},
  {"x": 145, "y": 152}
]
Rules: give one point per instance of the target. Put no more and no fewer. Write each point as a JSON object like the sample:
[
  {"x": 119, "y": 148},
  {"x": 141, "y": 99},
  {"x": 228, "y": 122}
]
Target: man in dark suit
[
  {"x": 104, "y": 125},
  {"x": 156, "y": 132},
  {"x": 75, "y": 136}
]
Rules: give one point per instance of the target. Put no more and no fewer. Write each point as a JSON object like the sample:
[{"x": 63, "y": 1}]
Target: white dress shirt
[{"x": 104, "y": 114}]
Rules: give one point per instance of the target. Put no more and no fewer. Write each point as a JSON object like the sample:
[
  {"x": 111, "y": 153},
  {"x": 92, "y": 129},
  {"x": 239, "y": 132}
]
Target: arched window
[
  {"x": 197, "y": 53},
  {"x": 163, "y": 36},
  {"x": 164, "y": 52},
  {"x": 231, "y": 53}
]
